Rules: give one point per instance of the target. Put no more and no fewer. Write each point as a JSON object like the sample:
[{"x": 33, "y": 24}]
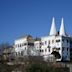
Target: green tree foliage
[
  {"x": 56, "y": 54},
  {"x": 33, "y": 66}
]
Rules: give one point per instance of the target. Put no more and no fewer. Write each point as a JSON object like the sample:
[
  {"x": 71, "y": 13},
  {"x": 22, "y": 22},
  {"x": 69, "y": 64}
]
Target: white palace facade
[{"x": 57, "y": 42}]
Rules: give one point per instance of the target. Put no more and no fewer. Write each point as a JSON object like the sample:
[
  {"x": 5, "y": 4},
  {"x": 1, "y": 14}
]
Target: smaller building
[
  {"x": 8, "y": 53},
  {"x": 23, "y": 45}
]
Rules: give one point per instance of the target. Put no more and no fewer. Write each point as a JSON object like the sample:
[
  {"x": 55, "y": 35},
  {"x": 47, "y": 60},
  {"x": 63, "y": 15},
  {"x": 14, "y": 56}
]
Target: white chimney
[
  {"x": 62, "y": 29},
  {"x": 53, "y": 28}
]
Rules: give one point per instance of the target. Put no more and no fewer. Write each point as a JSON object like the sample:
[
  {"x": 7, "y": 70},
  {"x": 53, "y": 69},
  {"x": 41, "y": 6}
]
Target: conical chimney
[
  {"x": 53, "y": 28},
  {"x": 62, "y": 29}
]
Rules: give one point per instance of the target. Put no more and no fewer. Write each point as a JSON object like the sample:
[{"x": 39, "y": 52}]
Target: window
[
  {"x": 45, "y": 50},
  {"x": 67, "y": 49},
  {"x": 63, "y": 49},
  {"x": 45, "y": 42},
  {"x": 49, "y": 42},
  {"x": 42, "y": 43},
  {"x": 49, "y": 46},
  {"x": 49, "y": 49},
  {"x": 67, "y": 41},
  {"x": 31, "y": 44},
  {"x": 25, "y": 48},
  {"x": 20, "y": 45},
  {"x": 22, "y": 53},
  {"x": 58, "y": 48},
  {"x": 40, "y": 46},
  {"x": 52, "y": 41},
  {"x": 16, "y": 53},
  {"x": 41, "y": 50},
  {"x": 67, "y": 53},
  {"x": 19, "y": 53},
  {"x": 63, "y": 40},
  {"x": 25, "y": 43},
  {"x": 57, "y": 40}
]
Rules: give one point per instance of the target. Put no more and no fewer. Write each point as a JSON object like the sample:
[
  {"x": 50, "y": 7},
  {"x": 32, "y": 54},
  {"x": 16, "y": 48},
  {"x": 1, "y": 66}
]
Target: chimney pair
[{"x": 53, "y": 30}]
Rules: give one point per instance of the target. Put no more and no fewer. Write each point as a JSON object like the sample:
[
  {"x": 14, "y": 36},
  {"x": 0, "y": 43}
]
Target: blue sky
[{"x": 19, "y": 17}]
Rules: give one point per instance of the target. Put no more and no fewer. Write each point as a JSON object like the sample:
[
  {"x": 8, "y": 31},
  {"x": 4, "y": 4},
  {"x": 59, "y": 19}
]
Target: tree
[{"x": 56, "y": 54}]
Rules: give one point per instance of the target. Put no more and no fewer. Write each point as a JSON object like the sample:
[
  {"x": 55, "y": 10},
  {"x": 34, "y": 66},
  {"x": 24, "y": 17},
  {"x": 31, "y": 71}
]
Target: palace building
[{"x": 57, "y": 43}]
